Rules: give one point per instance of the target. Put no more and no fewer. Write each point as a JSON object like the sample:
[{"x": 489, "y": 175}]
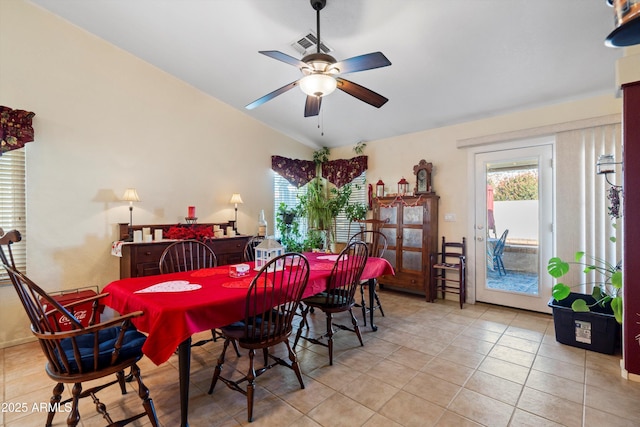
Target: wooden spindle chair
[
  {"x": 81, "y": 353},
  {"x": 271, "y": 302},
  {"x": 338, "y": 297}
]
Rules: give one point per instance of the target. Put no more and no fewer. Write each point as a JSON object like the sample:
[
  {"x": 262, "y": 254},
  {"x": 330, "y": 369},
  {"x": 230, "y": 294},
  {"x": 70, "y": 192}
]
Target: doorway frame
[{"x": 472, "y": 151}]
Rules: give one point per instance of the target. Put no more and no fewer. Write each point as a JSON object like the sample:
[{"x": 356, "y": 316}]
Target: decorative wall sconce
[
  {"x": 379, "y": 188},
  {"x": 606, "y": 165},
  {"x": 403, "y": 187}
]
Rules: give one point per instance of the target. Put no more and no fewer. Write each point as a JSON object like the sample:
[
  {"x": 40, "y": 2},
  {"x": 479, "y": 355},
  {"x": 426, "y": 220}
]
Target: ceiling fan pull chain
[{"x": 321, "y": 122}]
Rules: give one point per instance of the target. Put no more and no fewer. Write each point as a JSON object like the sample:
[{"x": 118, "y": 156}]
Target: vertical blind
[
  {"x": 582, "y": 214},
  {"x": 13, "y": 204}
]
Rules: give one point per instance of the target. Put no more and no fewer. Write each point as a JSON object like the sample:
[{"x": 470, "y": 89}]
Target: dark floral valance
[
  {"x": 338, "y": 172},
  {"x": 15, "y": 128},
  {"x": 297, "y": 172},
  {"x": 343, "y": 171}
]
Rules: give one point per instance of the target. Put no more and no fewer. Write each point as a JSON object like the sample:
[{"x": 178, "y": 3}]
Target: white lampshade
[
  {"x": 318, "y": 84},
  {"x": 235, "y": 198},
  {"x": 131, "y": 195}
]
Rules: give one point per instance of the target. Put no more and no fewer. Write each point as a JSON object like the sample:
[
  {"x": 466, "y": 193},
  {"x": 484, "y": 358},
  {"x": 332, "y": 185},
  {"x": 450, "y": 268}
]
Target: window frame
[
  {"x": 13, "y": 205},
  {"x": 284, "y": 191}
]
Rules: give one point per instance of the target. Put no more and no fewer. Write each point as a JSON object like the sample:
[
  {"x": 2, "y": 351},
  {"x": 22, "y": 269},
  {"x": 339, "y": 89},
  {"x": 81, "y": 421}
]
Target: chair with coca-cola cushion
[{"x": 79, "y": 352}]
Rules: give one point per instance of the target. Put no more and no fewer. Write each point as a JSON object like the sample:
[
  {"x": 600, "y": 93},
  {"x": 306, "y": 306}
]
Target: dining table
[{"x": 178, "y": 305}]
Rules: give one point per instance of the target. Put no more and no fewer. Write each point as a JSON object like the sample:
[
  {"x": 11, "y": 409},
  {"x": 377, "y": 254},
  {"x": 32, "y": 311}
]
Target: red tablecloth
[{"x": 178, "y": 305}]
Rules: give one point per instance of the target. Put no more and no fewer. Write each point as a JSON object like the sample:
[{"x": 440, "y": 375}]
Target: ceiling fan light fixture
[
  {"x": 318, "y": 84},
  {"x": 321, "y": 73}
]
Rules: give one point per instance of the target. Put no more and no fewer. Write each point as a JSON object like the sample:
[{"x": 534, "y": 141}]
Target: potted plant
[
  {"x": 355, "y": 212},
  {"x": 288, "y": 226},
  {"x": 590, "y": 321},
  {"x": 322, "y": 204}
]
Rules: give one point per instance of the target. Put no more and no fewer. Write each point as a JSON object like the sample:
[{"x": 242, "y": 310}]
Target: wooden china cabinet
[{"x": 412, "y": 235}]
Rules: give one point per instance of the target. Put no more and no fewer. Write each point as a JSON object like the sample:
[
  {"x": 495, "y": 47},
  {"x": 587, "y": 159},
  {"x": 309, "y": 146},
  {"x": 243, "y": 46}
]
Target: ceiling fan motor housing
[
  {"x": 319, "y": 63},
  {"x": 318, "y": 4}
]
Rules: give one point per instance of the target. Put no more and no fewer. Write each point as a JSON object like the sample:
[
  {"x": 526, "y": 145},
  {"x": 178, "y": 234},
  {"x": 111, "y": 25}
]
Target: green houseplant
[
  {"x": 606, "y": 291},
  {"x": 288, "y": 226},
  {"x": 590, "y": 321},
  {"x": 322, "y": 204},
  {"x": 355, "y": 212}
]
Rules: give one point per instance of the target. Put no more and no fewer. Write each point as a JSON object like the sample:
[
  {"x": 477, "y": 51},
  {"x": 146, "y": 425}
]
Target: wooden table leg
[
  {"x": 184, "y": 367},
  {"x": 372, "y": 292}
]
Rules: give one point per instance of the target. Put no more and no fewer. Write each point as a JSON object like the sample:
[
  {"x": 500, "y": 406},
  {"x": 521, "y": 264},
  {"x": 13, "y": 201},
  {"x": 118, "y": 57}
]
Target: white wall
[
  {"x": 105, "y": 121},
  {"x": 393, "y": 158}
]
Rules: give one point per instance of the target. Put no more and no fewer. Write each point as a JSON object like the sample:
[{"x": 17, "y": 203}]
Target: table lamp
[
  {"x": 131, "y": 195},
  {"x": 235, "y": 199}
]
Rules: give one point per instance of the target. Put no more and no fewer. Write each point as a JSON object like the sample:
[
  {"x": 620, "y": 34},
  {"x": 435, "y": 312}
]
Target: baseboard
[{"x": 17, "y": 342}]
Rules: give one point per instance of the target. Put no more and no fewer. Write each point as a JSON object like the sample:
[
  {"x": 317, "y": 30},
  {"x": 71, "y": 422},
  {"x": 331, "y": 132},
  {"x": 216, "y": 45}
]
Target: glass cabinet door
[
  {"x": 412, "y": 237},
  {"x": 391, "y": 233}
]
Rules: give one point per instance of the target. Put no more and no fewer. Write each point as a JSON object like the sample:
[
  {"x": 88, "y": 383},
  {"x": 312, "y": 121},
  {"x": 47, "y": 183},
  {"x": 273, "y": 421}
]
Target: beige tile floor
[{"x": 427, "y": 365}]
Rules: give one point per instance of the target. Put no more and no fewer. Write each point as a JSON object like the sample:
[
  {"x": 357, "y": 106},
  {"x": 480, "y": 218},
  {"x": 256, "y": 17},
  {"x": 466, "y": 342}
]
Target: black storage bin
[{"x": 596, "y": 330}]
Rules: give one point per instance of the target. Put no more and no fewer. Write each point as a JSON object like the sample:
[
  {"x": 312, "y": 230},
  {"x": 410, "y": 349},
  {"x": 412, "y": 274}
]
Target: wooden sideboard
[{"x": 142, "y": 259}]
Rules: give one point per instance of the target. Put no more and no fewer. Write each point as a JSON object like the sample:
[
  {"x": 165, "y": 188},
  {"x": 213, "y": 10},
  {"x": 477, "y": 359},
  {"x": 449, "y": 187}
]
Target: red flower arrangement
[{"x": 196, "y": 232}]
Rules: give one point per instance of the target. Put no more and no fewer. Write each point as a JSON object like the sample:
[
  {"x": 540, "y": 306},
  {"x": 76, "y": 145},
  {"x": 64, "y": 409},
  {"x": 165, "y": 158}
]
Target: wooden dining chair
[
  {"x": 338, "y": 297},
  {"x": 270, "y": 304},
  {"x": 189, "y": 255},
  {"x": 83, "y": 353},
  {"x": 449, "y": 270},
  {"x": 249, "y": 253},
  {"x": 377, "y": 245}
]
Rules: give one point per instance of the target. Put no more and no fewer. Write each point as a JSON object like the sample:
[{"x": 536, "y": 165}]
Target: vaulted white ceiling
[{"x": 452, "y": 61}]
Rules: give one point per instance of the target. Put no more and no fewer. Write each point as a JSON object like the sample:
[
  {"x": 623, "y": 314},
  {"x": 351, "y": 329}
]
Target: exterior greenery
[{"x": 523, "y": 186}]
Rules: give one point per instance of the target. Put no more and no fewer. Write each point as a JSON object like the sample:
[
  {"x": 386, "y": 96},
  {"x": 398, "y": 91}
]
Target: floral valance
[
  {"x": 15, "y": 128},
  {"x": 297, "y": 172},
  {"x": 338, "y": 172},
  {"x": 343, "y": 171}
]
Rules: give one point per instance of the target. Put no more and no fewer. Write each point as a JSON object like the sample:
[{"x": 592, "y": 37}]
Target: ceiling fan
[{"x": 321, "y": 74}]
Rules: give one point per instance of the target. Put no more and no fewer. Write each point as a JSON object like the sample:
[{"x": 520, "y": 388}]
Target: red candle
[{"x": 192, "y": 212}]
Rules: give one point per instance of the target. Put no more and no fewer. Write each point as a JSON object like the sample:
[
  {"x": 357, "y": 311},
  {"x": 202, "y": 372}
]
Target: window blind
[
  {"x": 13, "y": 204},
  {"x": 283, "y": 192},
  {"x": 582, "y": 217},
  {"x": 358, "y": 195}
]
